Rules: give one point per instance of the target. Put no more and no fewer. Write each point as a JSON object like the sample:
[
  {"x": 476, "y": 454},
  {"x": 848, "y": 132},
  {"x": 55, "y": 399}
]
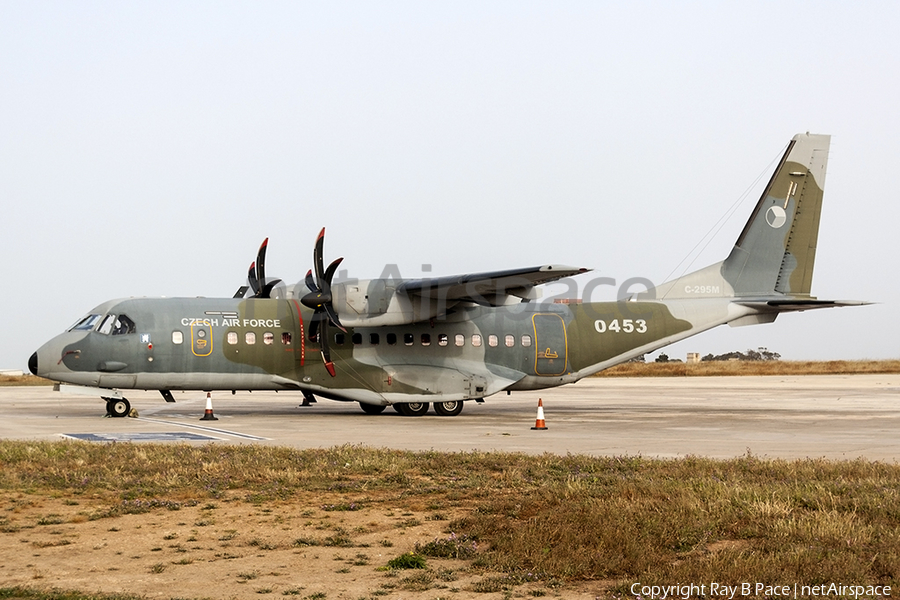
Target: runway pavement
[{"x": 837, "y": 417}]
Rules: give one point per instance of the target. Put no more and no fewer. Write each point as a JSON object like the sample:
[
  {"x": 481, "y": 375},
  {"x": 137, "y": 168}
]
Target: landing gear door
[{"x": 551, "y": 345}]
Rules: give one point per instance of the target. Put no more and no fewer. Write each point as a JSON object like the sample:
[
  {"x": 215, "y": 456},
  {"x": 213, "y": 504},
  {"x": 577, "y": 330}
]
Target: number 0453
[{"x": 625, "y": 326}]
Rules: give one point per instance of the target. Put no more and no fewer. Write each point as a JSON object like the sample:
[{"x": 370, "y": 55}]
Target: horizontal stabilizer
[{"x": 798, "y": 304}]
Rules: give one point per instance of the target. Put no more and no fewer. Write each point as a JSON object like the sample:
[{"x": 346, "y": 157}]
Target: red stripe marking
[{"x": 302, "y": 336}]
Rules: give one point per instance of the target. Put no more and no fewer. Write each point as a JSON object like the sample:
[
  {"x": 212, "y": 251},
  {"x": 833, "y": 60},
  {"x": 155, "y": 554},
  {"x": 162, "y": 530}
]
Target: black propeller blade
[
  {"x": 319, "y": 298},
  {"x": 256, "y": 276},
  {"x": 251, "y": 277}
]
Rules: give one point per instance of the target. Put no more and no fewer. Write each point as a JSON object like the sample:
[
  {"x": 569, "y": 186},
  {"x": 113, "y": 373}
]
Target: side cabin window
[
  {"x": 286, "y": 338},
  {"x": 268, "y": 338},
  {"x": 426, "y": 339},
  {"x": 460, "y": 339},
  {"x": 476, "y": 339},
  {"x": 492, "y": 341},
  {"x": 409, "y": 339},
  {"x": 357, "y": 339},
  {"x": 232, "y": 337},
  {"x": 526, "y": 340},
  {"x": 391, "y": 339},
  {"x": 339, "y": 339},
  {"x": 250, "y": 338},
  {"x": 177, "y": 337},
  {"x": 510, "y": 341},
  {"x": 374, "y": 339},
  {"x": 443, "y": 340}
]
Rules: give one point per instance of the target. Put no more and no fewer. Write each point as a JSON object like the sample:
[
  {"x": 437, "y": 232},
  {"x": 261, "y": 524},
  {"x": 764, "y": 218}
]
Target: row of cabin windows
[
  {"x": 409, "y": 339},
  {"x": 232, "y": 337},
  {"x": 425, "y": 339}
]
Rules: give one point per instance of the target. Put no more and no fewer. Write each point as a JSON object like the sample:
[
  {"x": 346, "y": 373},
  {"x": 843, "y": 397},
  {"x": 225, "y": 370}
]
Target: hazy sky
[{"x": 147, "y": 148}]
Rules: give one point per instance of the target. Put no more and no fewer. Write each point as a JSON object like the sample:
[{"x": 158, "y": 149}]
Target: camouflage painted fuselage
[{"x": 261, "y": 344}]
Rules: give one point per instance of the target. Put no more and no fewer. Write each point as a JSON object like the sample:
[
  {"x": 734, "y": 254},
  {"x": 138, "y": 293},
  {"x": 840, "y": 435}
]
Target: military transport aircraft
[{"x": 439, "y": 342}]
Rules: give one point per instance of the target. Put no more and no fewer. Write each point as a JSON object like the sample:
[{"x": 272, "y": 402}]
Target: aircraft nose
[{"x": 32, "y": 364}]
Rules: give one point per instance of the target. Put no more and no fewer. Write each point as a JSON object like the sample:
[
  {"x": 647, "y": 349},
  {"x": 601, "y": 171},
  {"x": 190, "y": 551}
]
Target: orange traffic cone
[
  {"x": 208, "y": 413},
  {"x": 539, "y": 422}
]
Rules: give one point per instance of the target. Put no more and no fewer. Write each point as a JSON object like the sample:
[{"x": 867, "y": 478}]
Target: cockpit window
[
  {"x": 116, "y": 325},
  {"x": 85, "y": 323},
  {"x": 106, "y": 326},
  {"x": 124, "y": 325}
]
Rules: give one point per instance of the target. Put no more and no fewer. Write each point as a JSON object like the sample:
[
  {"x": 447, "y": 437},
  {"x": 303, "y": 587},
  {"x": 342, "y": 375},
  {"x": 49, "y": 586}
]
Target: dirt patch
[{"x": 315, "y": 547}]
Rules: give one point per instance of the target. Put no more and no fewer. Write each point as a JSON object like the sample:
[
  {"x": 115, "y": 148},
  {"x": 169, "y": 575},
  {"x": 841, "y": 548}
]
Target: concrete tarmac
[{"x": 834, "y": 416}]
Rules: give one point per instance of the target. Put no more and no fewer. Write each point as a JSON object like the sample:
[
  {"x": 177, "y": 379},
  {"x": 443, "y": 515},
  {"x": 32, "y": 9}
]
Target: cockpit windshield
[
  {"x": 110, "y": 324},
  {"x": 85, "y": 323}
]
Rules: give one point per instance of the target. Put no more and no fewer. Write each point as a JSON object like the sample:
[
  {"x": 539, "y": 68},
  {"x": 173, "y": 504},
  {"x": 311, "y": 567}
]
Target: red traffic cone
[
  {"x": 208, "y": 413},
  {"x": 539, "y": 422}
]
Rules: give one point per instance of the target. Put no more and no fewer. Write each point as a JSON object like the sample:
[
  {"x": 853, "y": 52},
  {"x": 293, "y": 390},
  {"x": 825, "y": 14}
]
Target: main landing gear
[
  {"x": 417, "y": 409},
  {"x": 411, "y": 409},
  {"x": 372, "y": 409},
  {"x": 448, "y": 409},
  {"x": 117, "y": 407}
]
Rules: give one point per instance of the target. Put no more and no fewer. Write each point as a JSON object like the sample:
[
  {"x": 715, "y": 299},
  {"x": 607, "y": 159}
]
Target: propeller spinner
[{"x": 320, "y": 300}]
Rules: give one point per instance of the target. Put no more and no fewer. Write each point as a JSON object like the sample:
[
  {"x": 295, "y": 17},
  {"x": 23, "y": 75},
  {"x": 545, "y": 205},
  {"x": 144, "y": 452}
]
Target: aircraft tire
[
  {"x": 412, "y": 409},
  {"x": 448, "y": 409},
  {"x": 118, "y": 408},
  {"x": 372, "y": 409}
]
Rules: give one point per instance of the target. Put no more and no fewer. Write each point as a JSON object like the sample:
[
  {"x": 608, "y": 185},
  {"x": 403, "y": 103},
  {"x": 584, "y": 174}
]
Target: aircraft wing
[{"x": 490, "y": 288}]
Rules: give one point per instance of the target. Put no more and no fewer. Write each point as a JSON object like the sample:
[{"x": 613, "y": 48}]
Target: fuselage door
[
  {"x": 550, "y": 344},
  {"x": 201, "y": 340}
]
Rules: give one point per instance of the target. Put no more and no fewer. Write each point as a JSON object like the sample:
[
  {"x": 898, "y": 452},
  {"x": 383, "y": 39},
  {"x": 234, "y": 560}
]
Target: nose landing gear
[{"x": 117, "y": 407}]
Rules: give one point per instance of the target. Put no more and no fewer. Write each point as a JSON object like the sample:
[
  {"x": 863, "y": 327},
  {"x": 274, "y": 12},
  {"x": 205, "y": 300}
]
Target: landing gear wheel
[
  {"x": 448, "y": 409},
  {"x": 372, "y": 409},
  {"x": 412, "y": 409},
  {"x": 118, "y": 407}
]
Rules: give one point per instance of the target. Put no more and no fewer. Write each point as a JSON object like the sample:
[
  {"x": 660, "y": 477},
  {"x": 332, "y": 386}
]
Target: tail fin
[{"x": 776, "y": 251}]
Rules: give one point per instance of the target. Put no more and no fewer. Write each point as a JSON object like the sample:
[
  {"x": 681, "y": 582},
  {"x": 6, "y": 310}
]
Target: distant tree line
[
  {"x": 759, "y": 354},
  {"x": 751, "y": 355}
]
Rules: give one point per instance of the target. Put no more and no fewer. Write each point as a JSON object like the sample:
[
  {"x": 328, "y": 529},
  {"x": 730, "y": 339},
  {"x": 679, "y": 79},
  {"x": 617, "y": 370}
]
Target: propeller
[
  {"x": 320, "y": 300},
  {"x": 257, "y": 276}
]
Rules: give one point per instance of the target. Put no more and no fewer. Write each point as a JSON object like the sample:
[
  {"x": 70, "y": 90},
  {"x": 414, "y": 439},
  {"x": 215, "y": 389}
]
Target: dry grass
[
  {"x": 738, "y": 367},
  {"x": 15, "y": 380},
  {"x": 548, "y": 518}
]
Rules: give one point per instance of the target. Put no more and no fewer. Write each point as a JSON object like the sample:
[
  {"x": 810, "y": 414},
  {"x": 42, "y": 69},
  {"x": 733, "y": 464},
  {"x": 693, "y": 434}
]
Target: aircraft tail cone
[
  {"x": 539, "y": 422},
  {"x": 208, "y": 413}
]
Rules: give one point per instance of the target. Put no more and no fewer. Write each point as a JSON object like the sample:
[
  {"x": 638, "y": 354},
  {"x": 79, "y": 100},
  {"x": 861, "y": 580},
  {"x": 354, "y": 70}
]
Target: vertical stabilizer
[{"x": 776, "y": 251}]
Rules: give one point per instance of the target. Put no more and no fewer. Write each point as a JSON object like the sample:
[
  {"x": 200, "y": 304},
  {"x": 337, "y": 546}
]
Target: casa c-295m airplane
[{"x": 419, "y": 343}]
